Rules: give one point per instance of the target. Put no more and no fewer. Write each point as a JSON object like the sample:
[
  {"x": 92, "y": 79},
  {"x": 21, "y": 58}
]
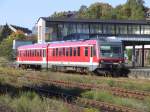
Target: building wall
[{"x": 41, "y": 30}]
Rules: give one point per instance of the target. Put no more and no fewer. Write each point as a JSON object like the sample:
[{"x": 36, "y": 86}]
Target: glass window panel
[
  {"x": 108, "y": 29},
  {"x": 145, "y": 29},
  {"x": 134, "y": 29},
  {"x": 121, "y": 29},
  {"x": 95, "y": 28}
]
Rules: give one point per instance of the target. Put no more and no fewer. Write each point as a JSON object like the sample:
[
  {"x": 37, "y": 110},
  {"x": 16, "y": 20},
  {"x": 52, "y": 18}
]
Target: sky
[{"x": 25, "y": 13}]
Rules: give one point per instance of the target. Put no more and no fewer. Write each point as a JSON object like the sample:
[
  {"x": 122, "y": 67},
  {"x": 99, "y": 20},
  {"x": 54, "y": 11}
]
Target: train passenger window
[
  {"x": 70, "y": 51},
  {"x": 30, "y": 52},
  {"x": 40, "y": 53},
  {"x": 37, "y": 52},
  {"x": 26, "y": 53},
  {"x": 63, "y": 51},
  {"x": 74, "y": 52},
  {"x": 78, "y": 51},
  {"x": 54, "y": 52},
  {"x": 67, "y": 52},
  {"x": 86, "y": 51},
  {"x": 60, "y": 52},
  {"x": 34, "y": 52}
]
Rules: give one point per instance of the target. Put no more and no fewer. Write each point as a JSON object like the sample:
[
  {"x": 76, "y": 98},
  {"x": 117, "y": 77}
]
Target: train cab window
[
  {"x": 78, "y": 51},
  {"x": 70, "y": 51},
  {"x": 86, "y": 51},
  {"x": 74, "y": 52},
  {"x": 53, "y": 52},
  {"x": 63, "y": 51}
]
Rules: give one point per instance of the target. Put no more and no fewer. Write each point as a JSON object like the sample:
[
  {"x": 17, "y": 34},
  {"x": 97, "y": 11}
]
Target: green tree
[
  {"x": 132, "y": 10},
  {"x": 6, "y": 48},
  {"x": 99, "y": 11},
  {"x": 7, "y": 44}
]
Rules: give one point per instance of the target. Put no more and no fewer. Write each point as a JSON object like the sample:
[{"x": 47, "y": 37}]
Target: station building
[{"x": 130, "y": 32}]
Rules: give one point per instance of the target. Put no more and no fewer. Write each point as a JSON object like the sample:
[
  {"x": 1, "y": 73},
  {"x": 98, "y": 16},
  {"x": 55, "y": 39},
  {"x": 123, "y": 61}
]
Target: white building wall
[{"x": 41, "y": 30}]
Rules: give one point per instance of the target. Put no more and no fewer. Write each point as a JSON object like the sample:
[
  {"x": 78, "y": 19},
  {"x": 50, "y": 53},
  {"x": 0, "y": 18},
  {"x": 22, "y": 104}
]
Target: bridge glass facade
[{"x": 69, "y": 29}]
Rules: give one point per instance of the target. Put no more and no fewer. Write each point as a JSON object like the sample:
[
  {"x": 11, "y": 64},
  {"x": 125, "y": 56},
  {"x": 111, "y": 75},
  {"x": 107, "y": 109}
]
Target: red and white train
[{"x": 79, "y": 55}]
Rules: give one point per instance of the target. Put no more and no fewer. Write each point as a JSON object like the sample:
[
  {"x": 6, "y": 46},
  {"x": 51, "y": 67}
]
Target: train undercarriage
[{"x": 102, "y": 70}]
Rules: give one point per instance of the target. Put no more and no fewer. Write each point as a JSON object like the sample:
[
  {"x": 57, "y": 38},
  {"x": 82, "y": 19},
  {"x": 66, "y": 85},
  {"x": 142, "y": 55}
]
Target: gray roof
[{"x": 77, "y": 20}]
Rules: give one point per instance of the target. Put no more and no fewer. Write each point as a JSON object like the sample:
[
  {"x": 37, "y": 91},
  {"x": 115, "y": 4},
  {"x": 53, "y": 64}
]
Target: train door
[
  {"x": 44, "y": 55},
  {"x": 91, "y": 57}
]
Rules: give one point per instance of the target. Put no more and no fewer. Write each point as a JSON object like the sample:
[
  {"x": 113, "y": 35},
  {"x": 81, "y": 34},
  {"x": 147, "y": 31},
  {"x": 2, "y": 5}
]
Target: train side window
[
  {"x": 74, "y": 52},
  {"x": 63, "y": 51},
  {"x": 26, "y": 53},
  {"x": 67, "y": 52},
  {"x": 60, "y": 51},
  {"x": 86, "y": 51},
  {"x": 29, "y": 53},
  {"x": 34, "y": 52},
  {"x": 78, "y": 51},
  {"x": 70, "y": 51},
  {"x": 38, "y": 53},
  {"x": 54, "y": 52}
]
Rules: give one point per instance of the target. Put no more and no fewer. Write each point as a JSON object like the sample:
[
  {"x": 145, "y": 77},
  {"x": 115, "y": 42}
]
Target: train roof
[
  {"x": 65, "y": 43},
  {"x": 33, "y": 46},
  {"x": 58, "y": 44}
]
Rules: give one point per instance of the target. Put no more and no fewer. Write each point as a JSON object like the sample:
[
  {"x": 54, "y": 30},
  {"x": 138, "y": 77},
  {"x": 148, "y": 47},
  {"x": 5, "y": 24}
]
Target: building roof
[
  {"x": 25, "y": 30},
  {"x": 77, "y": 20}
]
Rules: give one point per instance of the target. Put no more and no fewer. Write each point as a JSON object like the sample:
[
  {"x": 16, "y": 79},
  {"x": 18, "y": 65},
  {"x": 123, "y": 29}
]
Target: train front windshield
[{"x": 110, "y": 51}]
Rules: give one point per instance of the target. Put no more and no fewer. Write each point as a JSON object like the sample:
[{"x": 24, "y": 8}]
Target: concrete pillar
[
  {"x": 142, "y": 55},
  {"x": 133, "y": 56}
]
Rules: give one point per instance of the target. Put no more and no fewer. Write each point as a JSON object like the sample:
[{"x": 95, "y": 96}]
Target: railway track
[
  {"x": 86, "y": 102},
  {"x": 76, "y": 100},
  {"x": 73, "y": 101},
  {"x": 114, "y": 90}
]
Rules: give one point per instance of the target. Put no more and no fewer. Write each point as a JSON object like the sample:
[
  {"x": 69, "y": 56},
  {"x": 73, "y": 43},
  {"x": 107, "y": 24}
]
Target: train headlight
[
  {"x": 101, "y": 61},
  {"x": 120, "y": 61}
]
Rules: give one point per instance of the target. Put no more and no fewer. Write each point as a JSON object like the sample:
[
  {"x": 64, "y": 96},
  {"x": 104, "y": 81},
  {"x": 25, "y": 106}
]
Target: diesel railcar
[{"x": 81, "y": 55}]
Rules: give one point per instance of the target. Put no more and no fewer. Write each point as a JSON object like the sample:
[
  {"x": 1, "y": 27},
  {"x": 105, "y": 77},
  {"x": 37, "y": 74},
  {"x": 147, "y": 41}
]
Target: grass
[
  {"x": 27, "y": 101},
  {"x": 131, "y": 84},
  {"x": 31, "y": 102},
  {"x": 142, "y": 106},
  {"x": 126, "y": 83}
]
